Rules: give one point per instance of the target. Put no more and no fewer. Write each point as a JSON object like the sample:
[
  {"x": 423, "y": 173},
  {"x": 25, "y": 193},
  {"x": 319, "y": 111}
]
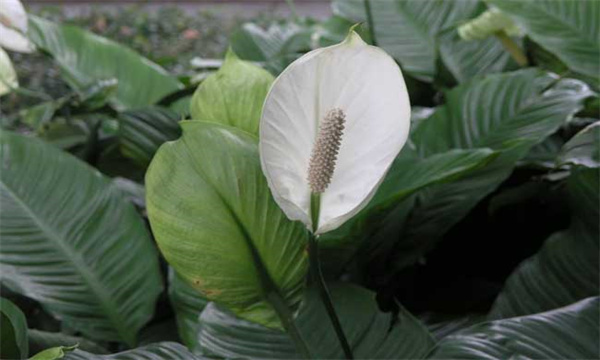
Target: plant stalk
[
  {"x": 513, "y": 49},
  {"x": 370, "y": 22},
  {"x": 317, "y": 275},
  {"x": 287, "y": 319}
]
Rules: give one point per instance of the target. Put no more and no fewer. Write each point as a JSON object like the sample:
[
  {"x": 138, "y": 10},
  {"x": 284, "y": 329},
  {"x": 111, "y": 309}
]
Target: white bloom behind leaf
[
  {"x": 8, "y": 76},
  {"x": 13, "y": 27},
  {"x": 362, "y": 87}
]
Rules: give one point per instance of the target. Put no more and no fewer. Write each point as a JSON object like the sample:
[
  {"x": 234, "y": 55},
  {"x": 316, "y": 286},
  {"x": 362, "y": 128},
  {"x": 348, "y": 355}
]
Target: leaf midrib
[
  {"x": 266, "y": 280},
  {"x": 74, "y": 258}
]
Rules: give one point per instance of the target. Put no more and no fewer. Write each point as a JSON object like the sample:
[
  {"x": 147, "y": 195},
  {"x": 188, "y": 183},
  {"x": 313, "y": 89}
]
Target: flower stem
[
  {"x": 513, "y": 49},
  {"x": 317, "y": 275},
  {"x": 370, "y": 22},
  {"x": 287, "y": 319}
]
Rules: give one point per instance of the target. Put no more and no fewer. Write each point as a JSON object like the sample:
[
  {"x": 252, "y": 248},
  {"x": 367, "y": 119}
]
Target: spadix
[{"x": 331, "y": 126}]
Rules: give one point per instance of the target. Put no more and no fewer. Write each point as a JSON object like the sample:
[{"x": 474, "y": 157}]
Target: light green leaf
[
  {"x": 13, "y": 327},
  {"x": 583, "y": 149},
  {"x": 410, "y": 31},
  {"x": 157, "y": 351},
  {"x": 566, "y": 333},
  {"x": 566, "y": 269},
  {"x": 54, "y": 353},
  {"x": 40, "y": 340},
  {"x": 487, "y": 24},
  {"x": 187, "y": 304},
  {"x": 8, "y": 75},
  {"x": 372, "y": 334},
  {"x": 569, "y": 29},
  {"x": 71, "y": 241},
  {"x": 508, "y": 113},
  {"x": 143, "y": 131},
  {"x": 216, "y": 223},
  {"x": 86, "y": 58},
  {"x": 233, "y": 96}
]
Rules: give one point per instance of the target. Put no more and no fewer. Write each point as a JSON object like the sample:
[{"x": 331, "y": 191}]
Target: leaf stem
[
  {"x": 317, "y": 275},
  {"x": 287, "y": 319},
  {"x": 513, "y": 49},
  {"x": 370, "y": 22},
  {"x": 292, "y": 7}
]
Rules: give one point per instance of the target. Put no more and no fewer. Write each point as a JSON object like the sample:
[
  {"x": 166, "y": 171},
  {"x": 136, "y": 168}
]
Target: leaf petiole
[{"x": 317, "y": 276}]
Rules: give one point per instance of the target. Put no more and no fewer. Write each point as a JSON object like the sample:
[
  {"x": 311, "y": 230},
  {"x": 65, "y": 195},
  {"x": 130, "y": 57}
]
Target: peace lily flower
[
  {"x": 13, "y": 27},
  {"x": 331, "y": 126}
]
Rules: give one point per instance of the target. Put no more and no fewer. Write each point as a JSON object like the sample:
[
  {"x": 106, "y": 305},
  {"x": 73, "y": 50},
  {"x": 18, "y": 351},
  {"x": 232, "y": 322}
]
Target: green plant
[{"x": 136, "y": 219}]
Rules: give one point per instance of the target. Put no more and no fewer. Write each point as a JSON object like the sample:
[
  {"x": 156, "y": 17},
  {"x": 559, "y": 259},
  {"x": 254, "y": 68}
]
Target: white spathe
[
  {"x": 13, "y": 27},
  {"x": 365, "y": 83},
  {"x": 8, "y": 76}
]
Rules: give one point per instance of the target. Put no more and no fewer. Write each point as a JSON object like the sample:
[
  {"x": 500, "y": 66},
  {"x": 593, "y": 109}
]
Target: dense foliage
[{"x": 481, "y": 242}]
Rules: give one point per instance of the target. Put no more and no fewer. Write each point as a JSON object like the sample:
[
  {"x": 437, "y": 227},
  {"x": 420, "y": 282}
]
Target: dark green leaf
[
  {"x": 569, "y": 29},
  {"x": 216, "y": 223},
  {"x": 158, "y": 351},
  {"x": 371, "y": 333},
  {"x": 408, "y": 174},
  {"x": 508, "y": 113},
  {"x": 143, "y": 131},
  {"x": 86, "y": 58},
  {"x": 40, "y": 340},
  {"x": 72, "y": 242},
  {"x": 543, "y": 155},
  {"x": 566, "y": 333},
  {"x": 414, "y": 32},
  {"x": 566, "y": 269},
  {"x": 276, "y": 47},
  {"x": 583, "y": 149},
  {"x": 13, "y": 328},
  {"x": 187, "y": 304}
]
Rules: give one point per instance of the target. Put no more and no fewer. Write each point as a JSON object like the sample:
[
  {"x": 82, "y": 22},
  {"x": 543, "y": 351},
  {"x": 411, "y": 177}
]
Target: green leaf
[
  {"x": 500, "y": 111},
  {"x": 371, "y": 333},
  {"x": 72, "y": 242},
  {"x": 134, "y": 192},
  {"x": 40, "y": 340},
  {"x": 86, "y": 58},
  {"x": 188, "y": 305},
  {"x": 233, "y": 96},
  {"x": 216, "y": 223},
  {"x": 54, "y": 353},
  {"x": 401, "y": 182},
  {"x": 411, "y": 31},
  {"x": 509, "y": 113},
  {"x": 583, "y": 149},
  {"x": 569, "y": 29},
  {"x": 13, "y": 327},
  {"x": 275, "y": 47},
  {"x": 567, "y": 333},
  {"x": 408, "y": 174},
  {"x": 335, "y": 29},
  {"x": 157, "y": 351},
  {"x": 544, "y": 154},
  {"x": 143, "y": 131},
  {"x": 442, "y": 325},
  {"x": 566, "y": 269}
]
